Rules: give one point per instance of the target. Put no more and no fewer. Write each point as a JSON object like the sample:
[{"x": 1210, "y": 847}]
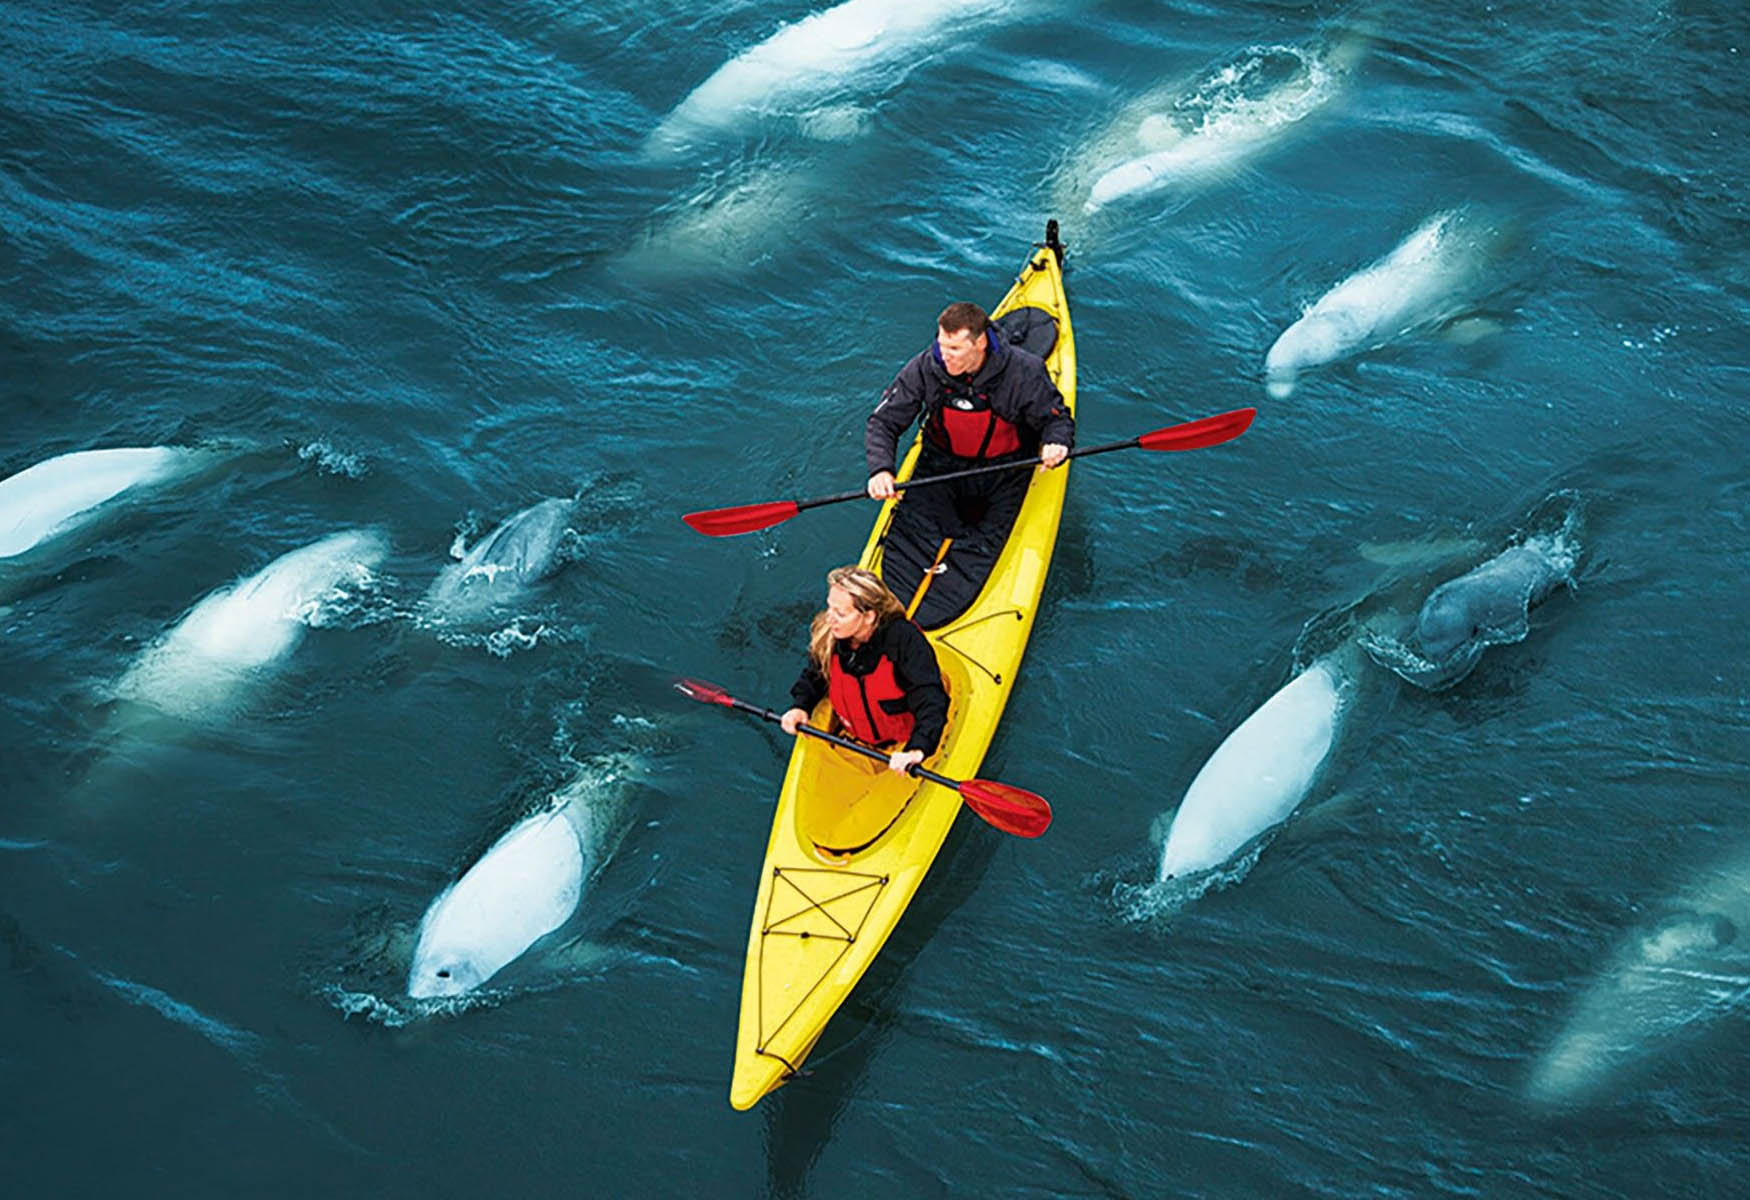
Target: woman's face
[{"x": 845, "y": 618}]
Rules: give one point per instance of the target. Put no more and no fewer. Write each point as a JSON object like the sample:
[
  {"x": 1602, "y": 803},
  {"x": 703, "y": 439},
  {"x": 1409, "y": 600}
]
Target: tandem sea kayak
[{"x": 851, "y": 842}]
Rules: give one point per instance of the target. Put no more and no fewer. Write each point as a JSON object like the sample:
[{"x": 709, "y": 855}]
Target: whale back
[
  {"x": 1258, "y": 774},
  {"x": 527, "y": 885},
  {"x": 522, "y": 550},
  {"x": 44, "y": 500},
  {"x": 1494, "y": 600},
  {"x": 243, "y": 627}
]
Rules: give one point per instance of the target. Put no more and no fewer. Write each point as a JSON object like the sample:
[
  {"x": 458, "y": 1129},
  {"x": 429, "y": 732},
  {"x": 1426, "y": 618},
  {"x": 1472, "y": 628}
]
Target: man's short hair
[{"x": 963, "y": 316}]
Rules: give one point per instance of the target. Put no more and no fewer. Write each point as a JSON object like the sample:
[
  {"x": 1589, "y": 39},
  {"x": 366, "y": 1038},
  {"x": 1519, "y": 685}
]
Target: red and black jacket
[
  {"x": 1008, "y": 406},
  {"x": 886, "y": 691}
]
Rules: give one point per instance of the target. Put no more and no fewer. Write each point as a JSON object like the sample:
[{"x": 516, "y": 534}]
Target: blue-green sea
[{"x": 411, "y": 269}]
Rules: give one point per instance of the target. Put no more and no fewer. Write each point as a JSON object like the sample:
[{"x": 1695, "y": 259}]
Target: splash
[{"x": 330, "y": 460}]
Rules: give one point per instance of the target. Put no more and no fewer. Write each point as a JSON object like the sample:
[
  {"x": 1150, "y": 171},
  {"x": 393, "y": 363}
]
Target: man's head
[{"x": 960, "y": 337}]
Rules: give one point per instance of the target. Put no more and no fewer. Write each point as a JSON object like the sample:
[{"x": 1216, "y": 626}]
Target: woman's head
[{"x": 857, "y": 604}]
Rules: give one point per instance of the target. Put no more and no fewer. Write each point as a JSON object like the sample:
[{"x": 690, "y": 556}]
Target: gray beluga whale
[
  {"x": 1494, "y": 596},
  {"x": 1431, "y": 277},
  {"x": 201, "y": 667},
  {"x": 1666, "y": 981},
  {"x": 524, "y": 887},
  {"x": 1260, "y": 772},
  {"x": 525, "y": 548},
  {"x": 1189, "y": 136},
  {"x": 809, "y": 63},
  {"x": 1489, "y": 605},
  {"x": 55, "y": 496}
]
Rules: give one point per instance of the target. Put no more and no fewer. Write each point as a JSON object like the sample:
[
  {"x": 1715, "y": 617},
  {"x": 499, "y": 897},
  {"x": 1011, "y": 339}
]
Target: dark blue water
[{"x": 413, "y": 268}]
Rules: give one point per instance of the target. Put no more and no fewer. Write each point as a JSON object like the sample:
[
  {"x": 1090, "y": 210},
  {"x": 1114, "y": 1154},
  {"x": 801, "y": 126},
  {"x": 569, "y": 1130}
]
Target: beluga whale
[
  {"x": 233, "y": 637},
  {"x": 1180, "y": 137},
  {"x": 1430, "y": 278},
  {"x": 526, "y": 886},
  {"x": 1666, "y": 982},
  {"x": 1488, "y": 605},
  {"x": 807, "y": 67},
  {"x": 1260, "y": 772},
  {"x": 524, "y": 549},
  {"x": 57, "y": 495}
]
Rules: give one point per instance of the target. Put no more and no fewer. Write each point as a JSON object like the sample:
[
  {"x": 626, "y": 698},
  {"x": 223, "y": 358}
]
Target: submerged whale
[
  {"x": 1431, "y": 277},
  {"x": 232, "y": 636},
  {"x": 1665, "y": 981},
  {"x": 1259, "y": 773},
  {"x": 1489, "y": 605},
  {"x": 524, "y": 549},
  {"x": 524, "y": 887},
  {"x": 808, "y": 62},
  {"x": 59, "y": 494}
]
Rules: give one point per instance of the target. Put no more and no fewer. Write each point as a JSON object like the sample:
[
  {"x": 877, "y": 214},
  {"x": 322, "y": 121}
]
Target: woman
[{"x": 876, "y": 666}]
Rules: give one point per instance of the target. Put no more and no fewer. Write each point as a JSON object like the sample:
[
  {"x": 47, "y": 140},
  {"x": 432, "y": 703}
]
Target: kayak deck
[{"x": 851, "y": 842}]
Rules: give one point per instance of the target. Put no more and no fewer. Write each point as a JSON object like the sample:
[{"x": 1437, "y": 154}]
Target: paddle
[
  {"x": 1008, "y": 808},
  {"x": 1192, "y": 435}
]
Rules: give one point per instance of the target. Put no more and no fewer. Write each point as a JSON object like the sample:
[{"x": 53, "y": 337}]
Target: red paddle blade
[
  {"x": 698, "y": 689},
  {"x": 723, "y": 522},
  {"x": 1008, "y": 808},
  {"x": 1194, "y": 435}
]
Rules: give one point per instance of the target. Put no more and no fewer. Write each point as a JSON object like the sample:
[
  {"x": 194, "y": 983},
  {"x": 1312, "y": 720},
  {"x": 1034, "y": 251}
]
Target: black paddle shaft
[
  {"x": 916, "y": 769},
  {"x": 908, "y": 484}
]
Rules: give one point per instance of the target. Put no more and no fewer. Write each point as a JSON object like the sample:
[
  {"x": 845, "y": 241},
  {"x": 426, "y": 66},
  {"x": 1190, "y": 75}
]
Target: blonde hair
[{"x": 867, "y": 592}]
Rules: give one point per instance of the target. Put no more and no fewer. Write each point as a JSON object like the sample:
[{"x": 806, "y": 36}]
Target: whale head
[
  {"x": 1446, "y": 623},
  {"x": 1316, "y": 338},
  {"x": 437, "y": 975}
]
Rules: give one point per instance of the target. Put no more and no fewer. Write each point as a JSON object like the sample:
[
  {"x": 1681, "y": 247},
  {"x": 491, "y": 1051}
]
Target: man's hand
[
  {"x": 901, "y": 761},
  {"x": 1052, "y": 455},
  {"x": 881, "y": 485},
  {"x": 793, "y": 720}
]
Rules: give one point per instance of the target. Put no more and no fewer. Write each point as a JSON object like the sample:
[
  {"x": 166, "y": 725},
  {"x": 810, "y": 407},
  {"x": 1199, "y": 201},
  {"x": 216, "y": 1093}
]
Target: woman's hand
[
  {"x": 902, "y": 761},
  {"x": 793, "y": 720}
]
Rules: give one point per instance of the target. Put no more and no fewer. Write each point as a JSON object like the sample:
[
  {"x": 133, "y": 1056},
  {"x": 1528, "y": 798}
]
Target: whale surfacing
[
  {"x": 235, "y": 633},
  {"x": 524, "y": 887},
  {"x": 1430, "y": 277},
  {"x": 524, "y": 549},
  {"x": 808, "y": 62},
  {"x": 1258, "y": 774},
  {"x": 54, "y": 496},
  {"x": 1166, "y": 140}
]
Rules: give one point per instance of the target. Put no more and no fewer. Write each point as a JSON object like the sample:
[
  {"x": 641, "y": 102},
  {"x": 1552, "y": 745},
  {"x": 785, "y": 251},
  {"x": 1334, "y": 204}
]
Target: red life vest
[
  {"x": 966, "y": 426},
  {"x": 861, "y": 702}
]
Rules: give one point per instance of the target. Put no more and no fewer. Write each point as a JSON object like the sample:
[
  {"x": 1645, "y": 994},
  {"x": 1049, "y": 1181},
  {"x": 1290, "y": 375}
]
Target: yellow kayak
[{"x": 851, "y": 841}]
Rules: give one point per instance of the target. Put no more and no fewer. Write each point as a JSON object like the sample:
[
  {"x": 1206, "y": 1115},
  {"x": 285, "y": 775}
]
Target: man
[{"x": 981, "y": 401}]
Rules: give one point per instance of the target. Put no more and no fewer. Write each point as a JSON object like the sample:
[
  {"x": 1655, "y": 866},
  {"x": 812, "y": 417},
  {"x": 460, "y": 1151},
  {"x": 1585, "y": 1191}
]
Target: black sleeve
[
  {"x": 899, "y": 407},
  {"x": 916, "y": 670},
  {"x": 809, "y": 687},
  {"x": 1040, "y": 406}
]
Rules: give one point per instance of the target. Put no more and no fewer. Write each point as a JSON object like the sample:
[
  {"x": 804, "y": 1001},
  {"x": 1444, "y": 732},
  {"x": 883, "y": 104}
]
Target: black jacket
[
  {"x": 914, "y": 669},
  {"x": 1020, "y": 388}
]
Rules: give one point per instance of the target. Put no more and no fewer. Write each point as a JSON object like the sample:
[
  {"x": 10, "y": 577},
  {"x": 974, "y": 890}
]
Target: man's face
[{"x": 962, "y": 351}]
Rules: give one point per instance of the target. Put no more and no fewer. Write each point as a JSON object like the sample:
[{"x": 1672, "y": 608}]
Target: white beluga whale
[
  {"x": 524, "y": 549},
  {"x": 526, "y": 886},
  {"x": 1431, "y": 277},
  {"x": 59, "y": 494},
  {"x": 1667, "y": 981},
  {"x": 811, "y": 64},
  {"x": 233, "y": 636},
  {"x": 1259, "y": 773},
  {"x": 1188, "y": 137}
]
